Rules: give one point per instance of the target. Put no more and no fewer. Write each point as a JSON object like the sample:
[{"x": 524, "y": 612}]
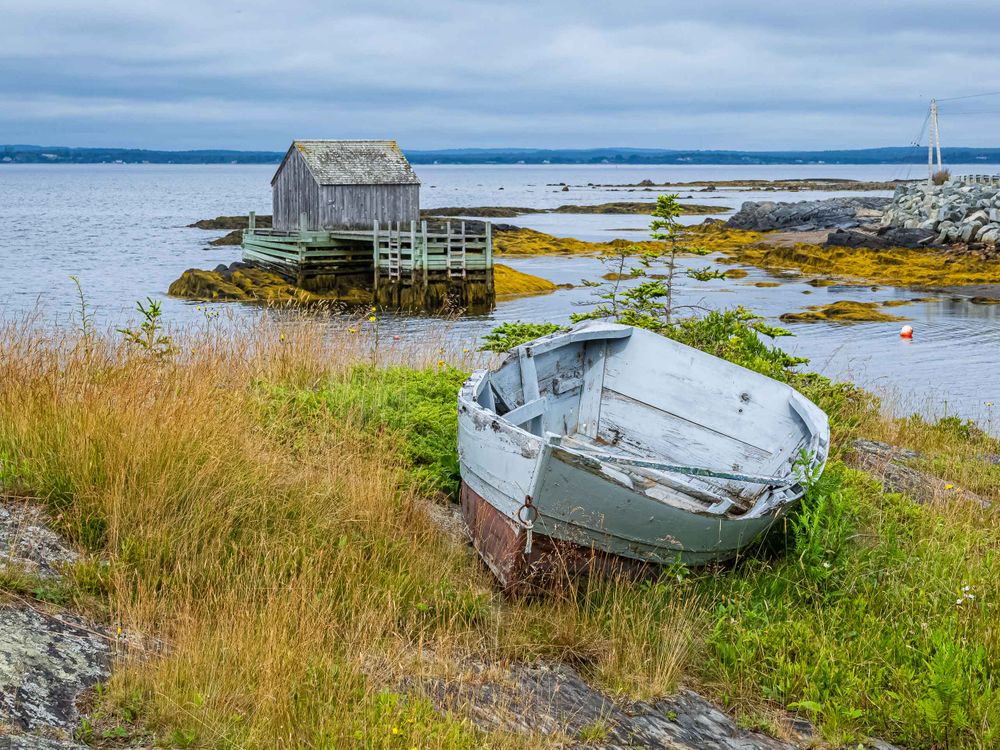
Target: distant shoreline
[{"x": 29, "y": 154}]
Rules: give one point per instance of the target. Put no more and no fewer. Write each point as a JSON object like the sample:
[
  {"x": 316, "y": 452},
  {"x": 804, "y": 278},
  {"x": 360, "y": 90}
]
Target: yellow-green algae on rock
[
  {"x": 508, "y": 282},
  {"x": 531, "y": 242},
  {"x": 844, "y": 311},
  {"x": 248, "y": 284},
  {"x": 893, "y": 266}
]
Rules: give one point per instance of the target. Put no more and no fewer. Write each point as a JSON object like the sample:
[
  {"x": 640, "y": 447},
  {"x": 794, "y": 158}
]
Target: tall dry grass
[{"x": 276, "y": 579}]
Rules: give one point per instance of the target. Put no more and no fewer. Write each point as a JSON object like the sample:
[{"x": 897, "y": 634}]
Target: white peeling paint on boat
[{"x": 635, "y": 445}]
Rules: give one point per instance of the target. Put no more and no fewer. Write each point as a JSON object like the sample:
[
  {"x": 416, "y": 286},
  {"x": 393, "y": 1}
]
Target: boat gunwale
[{"x": 815, "y": 430}]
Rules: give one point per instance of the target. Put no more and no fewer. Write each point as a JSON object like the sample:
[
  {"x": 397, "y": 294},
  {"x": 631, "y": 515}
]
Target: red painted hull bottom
[{"x": 501, "y": 542}]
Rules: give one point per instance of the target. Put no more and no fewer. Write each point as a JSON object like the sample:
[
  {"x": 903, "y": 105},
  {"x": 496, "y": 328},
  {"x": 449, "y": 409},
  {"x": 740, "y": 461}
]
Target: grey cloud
[{"x": 440, "y": 73}]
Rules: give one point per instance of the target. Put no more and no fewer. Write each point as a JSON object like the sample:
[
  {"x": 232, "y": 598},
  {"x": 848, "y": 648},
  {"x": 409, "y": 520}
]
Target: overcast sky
[{"x": 254, "y": 74}]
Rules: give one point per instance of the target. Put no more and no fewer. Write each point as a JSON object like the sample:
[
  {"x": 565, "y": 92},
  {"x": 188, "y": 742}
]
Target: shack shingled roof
[{"x": 354, "y": 162}]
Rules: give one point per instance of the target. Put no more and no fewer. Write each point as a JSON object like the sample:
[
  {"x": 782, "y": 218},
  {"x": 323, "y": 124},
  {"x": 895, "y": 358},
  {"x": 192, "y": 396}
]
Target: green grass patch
[
  {"x": 419, "y": 406},
  {"x": 878, "y": 620}
]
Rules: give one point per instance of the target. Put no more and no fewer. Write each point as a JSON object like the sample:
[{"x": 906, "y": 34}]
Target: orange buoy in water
[{"x": 906, "y": 332}]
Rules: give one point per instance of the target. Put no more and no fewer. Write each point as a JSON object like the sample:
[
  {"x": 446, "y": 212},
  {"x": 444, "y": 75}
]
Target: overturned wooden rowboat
[{"x": 610, "y": 447}]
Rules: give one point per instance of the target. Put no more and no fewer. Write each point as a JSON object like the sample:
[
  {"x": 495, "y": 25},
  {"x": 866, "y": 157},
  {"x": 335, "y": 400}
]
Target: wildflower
[
  {"x": 352, "y": 330},
  {"x": 372, "y": 318},
  {"x": 281, "y": 337},
  {"x": 959, "y": 601},
  {"x": 949, "y": 486},
  {"x": 396, "y": 730},
  {"x": 440, "y": 363},
  {"x": 466, "y": 350}
]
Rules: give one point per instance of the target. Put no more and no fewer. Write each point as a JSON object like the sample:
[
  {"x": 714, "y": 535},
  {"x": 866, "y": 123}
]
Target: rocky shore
[
  {"x": 617, "y": 207},
  {"x": 784, "y": 186},
  {"x": 805, "y": 216},
  {"x": 955, "y": 217}
]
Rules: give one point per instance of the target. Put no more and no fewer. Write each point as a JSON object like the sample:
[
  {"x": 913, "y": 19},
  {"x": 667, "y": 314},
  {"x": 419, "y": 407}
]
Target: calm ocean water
[{"x": 121, "y": 229}]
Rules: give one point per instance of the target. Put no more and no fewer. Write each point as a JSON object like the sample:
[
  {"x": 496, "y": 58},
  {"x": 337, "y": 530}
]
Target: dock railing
[
  {"x": 397, "y": 252},
  {"x": 980, "y": 179}
]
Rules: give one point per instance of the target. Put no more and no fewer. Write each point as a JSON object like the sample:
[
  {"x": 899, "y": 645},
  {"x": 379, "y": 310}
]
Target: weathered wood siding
[
  {"x": 295, "y": 191},
  {"x": 359, "y": 206}
]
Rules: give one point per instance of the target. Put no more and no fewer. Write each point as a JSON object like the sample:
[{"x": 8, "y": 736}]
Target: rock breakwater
[{"x": 955, "y": 212}]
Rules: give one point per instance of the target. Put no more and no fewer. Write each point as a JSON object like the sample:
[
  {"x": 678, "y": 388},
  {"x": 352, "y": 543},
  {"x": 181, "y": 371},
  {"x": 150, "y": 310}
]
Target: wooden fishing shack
[{"x": 346, "y": 215}]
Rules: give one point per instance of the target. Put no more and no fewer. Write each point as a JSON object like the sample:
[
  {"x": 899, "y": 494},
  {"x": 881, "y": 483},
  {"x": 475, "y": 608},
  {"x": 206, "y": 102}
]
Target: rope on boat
[{"x": 527, "y": 514}]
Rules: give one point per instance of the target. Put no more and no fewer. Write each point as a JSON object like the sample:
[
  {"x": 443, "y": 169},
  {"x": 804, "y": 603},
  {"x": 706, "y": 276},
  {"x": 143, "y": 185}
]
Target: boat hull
[
  {"x": 501, "y": 544},
  {"x": 610, "y": 448},
  {"x": 588, "y": 523}
]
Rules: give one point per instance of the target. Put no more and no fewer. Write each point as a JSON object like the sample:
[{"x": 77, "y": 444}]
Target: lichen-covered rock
[
  {"x": 892, "y": 466},
  {"x": 28, "y": 544},
  {"x": 34, "y": 742},
  {"x": 46, "y": 662},
  {"x": 554, "y": 699}
]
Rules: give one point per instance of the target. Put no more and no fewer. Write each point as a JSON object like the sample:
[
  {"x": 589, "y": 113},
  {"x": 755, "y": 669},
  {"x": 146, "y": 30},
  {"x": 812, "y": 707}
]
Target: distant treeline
[{"x": 889, "y": 155}]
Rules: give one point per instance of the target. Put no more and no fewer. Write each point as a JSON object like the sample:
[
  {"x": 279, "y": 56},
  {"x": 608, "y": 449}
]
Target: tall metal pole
[
  {"x": 937, "y": 132},
  {"x": 930, "y": 145}
]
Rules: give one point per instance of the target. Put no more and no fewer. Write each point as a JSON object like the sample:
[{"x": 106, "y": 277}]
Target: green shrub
[{"x": 506, "y": 336}]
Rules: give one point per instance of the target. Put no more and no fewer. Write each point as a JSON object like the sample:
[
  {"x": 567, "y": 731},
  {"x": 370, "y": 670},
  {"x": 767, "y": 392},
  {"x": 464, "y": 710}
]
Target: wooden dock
[{"x": 419, "y": 266}]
